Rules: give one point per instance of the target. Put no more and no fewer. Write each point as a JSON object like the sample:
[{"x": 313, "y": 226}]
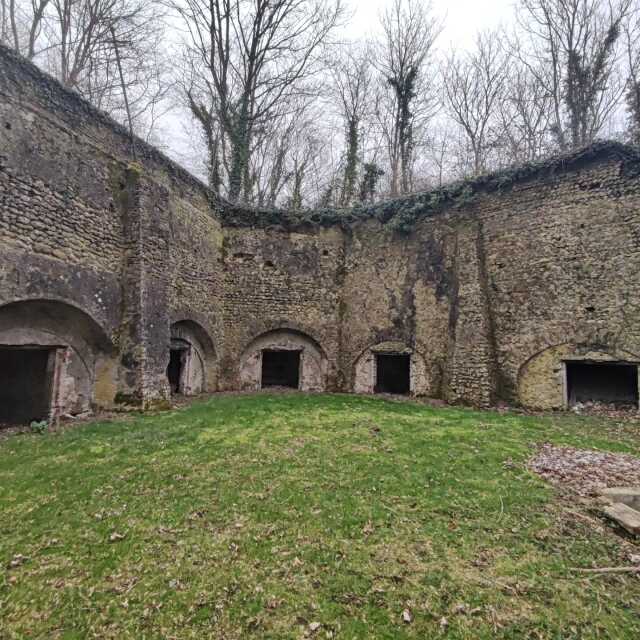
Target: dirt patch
[{"x": 585, "y": 472}]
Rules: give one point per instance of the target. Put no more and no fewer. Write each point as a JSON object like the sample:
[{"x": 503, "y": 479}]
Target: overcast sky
[{"x": 463, "y": 18}]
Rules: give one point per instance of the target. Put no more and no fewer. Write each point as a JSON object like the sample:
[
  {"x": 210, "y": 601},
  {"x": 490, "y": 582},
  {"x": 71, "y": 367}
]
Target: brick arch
[
  {"x": 202, "y": 321},
  {"x": 313, "y": 359},
  {"x": 540, "y": 379},
  {"x": 71, "y": 308},
  {"x": 79, "y": 356},
  {"x": 286, "y": 325},
  {"x": 363, "y": 367},
  {"x": 204, "y": 337},
  {"x": 198, "y": 362}
]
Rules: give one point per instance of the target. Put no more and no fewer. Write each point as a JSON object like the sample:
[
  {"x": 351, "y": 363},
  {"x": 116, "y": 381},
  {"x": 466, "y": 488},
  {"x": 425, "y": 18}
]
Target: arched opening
[
  {"x": 283, "y": 358},
  {"x": 55, "y": 360},
  {"x": 564, "y": 375},
  {"x": 191, "y": 359},
  {"x": 390, "y": 367},
  {"x": 281, "y": 368}
]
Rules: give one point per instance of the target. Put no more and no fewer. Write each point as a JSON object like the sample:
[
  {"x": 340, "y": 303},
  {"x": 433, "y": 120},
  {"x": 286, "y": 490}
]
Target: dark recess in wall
[
  {"x": 281, "y": 369},
  {"x": 605, "y": 382},
  {"x": 393, "y": 373},
  {"x": 25, "y": 385}
]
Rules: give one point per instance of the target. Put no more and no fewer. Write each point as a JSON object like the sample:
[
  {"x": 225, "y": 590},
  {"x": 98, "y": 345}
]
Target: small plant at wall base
[{"x": 39, "y": 426}]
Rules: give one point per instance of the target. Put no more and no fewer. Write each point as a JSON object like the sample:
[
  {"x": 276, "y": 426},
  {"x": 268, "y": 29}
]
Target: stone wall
[
  {"x": 107, "y": 258},
  {"x": 563, "y": 268},
  {"x": 473, "y": 292},
  {"x": 398, "y": 288},
  {"x": 276, "y": 279},
  {"x": 128, "y": 239},
  {"x": 196, "y": 277}
]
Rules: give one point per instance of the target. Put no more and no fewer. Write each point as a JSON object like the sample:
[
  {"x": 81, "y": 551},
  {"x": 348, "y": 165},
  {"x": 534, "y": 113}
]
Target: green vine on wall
[{"x": 401, "y": 214}]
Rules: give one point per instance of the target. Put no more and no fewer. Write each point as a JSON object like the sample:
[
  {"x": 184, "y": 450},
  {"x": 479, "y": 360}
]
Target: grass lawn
[{"x": 293, "y": 516}]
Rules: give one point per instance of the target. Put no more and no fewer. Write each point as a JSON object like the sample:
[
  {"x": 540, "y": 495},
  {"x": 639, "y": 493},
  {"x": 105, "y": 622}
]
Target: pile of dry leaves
[
  {"x": 585, "y": 472},
  {"x": 624, "y": 411}
]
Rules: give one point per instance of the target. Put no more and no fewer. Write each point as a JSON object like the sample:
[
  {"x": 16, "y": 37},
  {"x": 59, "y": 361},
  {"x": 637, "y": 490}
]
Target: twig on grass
[{"x": 608, "y": 570}]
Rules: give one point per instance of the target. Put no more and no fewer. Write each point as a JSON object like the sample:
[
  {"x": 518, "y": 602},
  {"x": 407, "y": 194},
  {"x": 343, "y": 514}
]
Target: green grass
[{"x": 254, "y": 516}]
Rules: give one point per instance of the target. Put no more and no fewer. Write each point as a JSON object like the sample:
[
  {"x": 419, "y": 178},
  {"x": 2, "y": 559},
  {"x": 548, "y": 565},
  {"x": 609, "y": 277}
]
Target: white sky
[{"x": 462, "y": 18}]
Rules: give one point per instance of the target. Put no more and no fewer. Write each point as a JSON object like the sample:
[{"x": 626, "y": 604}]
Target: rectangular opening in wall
[
  {"x": 393, "y": 373},
  {"x": 602, "y": 382},
  {"x": 25, "y": 384},
  {"x": 174, "y": 370},
  {"x": 281, "y": 369}
]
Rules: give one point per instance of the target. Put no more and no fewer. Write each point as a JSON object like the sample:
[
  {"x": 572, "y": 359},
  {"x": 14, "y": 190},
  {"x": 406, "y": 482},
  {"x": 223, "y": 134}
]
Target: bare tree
[
  {"x": 473, "y": 88},
  {"x": 572, "y": 49},
  {"x": 632, "y": 52},
  {"x": 525, "y": 113},
  {"x": 351, "y": 85},
  {"x": 21, "y": 23},
  {"x": 81, "y": 53},
  {"x": 72, "y": 39},
  {"x": 305, "y": 168},
  {"x": 280, "y": 156},
  {"x": 407, "y": 99},
  {"x": 248, "y": 57}
]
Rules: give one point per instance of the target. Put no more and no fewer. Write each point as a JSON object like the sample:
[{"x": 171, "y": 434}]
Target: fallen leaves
[
  {"x": 583, "y": 471},
  {"x": 177, "y": 585},
  {"x": 17, "y": 561}
]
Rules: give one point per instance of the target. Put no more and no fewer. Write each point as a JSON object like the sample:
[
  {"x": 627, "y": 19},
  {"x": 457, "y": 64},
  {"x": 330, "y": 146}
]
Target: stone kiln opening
[
  {"x": 393, "y": 373},
  {"x": 26, "y": 376},
  {"x": 191, "y": 359},
  {"x": 281, "y": 369},
  {"x": 284, "y": 358},
  {"x": 178, "y": 356},
  {"x": 174, "y": 370},
  {"x": 603, "y": 382}
]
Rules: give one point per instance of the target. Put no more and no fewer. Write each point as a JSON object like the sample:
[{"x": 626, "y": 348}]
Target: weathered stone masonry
[{"x": 127, "y": 276}]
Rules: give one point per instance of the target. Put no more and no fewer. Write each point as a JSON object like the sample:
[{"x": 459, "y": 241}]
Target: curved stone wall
[{"x": 479, "y": 290}]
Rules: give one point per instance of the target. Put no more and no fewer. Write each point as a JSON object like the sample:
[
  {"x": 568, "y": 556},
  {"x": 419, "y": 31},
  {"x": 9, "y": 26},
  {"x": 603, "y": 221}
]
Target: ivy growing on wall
[{"x": 401, "y": 214}]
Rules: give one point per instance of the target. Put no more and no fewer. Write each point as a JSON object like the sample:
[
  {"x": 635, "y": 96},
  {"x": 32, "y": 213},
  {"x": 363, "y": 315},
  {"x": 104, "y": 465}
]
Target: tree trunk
[{"x": 350, "y": 171}]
